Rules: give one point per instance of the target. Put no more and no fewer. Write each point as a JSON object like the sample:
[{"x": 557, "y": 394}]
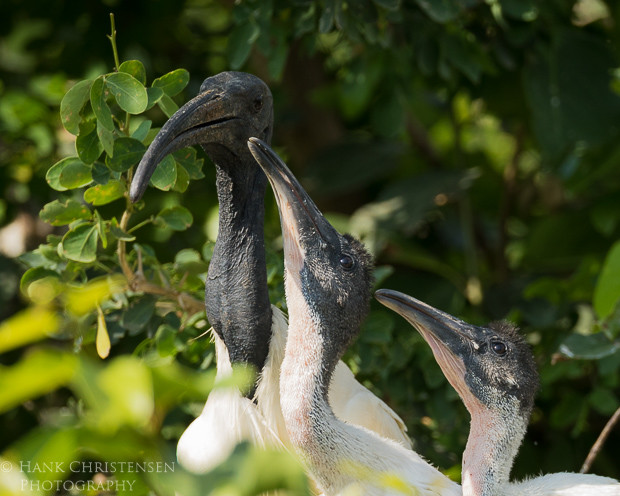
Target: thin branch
[
  {"x": 112, "y": 38},
  {"x": 598, "y": 444}
]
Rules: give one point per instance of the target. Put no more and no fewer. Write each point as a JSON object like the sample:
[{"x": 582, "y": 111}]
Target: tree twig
[{"x": 598, "y": 444}]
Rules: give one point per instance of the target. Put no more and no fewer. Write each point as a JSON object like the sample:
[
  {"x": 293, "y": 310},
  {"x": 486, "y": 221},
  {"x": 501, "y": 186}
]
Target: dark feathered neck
[{"x": 236, "y": 293}]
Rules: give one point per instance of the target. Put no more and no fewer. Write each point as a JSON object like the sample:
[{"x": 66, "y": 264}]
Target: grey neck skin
[
  {"x": 494, "y": 439},
  {"x": 236, "y": 292}
]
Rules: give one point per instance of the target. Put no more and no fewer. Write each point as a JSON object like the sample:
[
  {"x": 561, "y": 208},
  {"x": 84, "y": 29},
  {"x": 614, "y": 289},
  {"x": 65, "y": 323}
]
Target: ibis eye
[
  {"x": 258, "y": 103},
  {"x": 499, "y": 348},
  {"x": 346, "y": 262}
]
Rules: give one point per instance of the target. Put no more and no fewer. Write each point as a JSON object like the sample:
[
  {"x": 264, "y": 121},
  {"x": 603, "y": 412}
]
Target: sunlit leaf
[
  {"x": 165, "y": 175},
  {"x": 69, "y": 173},
  {"x": 141, "y": 132},
  {"x": 37, "y": 373},
  {"x": 72, "y": 104},
  {"x": 75, "y": 174},
  {"x": 102, "y": 341},
  {"x": 26, "y": 327},
  {"x": 134, "y": 68},
  {"x": 177, "y": 218},
  {"x": 102, "y": 194},
  {"x": 182, "y": 181},
  {"x": 84, "y": 299},
  {"x": 80, "y": 243},
  {"x": 187, "y": 157},
  {"x": 129, "y": 93},
  {"x": 173, "y": 82},
  {"x": 99, "y": 105},
  {"x": 59, "y": 213},
  {"x": 167, "y": 105},
  {"x": 106, "y": 137}
]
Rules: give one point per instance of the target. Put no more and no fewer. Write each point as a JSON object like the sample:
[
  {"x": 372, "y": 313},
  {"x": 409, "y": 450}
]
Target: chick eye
[
  {"x": 258, "y": 103},
  {"x": 499, "y": 348},
  {"x": 346, "y": 261}
]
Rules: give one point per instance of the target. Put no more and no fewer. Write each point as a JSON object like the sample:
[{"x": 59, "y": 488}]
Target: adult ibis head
[{"x": 231, "y": 107}]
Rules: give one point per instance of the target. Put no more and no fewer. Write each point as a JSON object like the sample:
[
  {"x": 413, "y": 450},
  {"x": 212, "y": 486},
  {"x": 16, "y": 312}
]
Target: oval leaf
[
  {"x": 53, "y": 174},
  {"x": 104, "y": 193},
  {"x": 107, "y": 139},
  {"x": 165, "y": 175},
  {"x": 240, "y": 43},
  {"x": 127, "y": 152},
  {"x": 57, "y": 213},
  {"x": 75, "y": 175},
  {"x": 177, "y": 218},
  {"x": 173, "y": 82},
  {"x": 87, "y": 144},
  {"x": 80, "y": 243},
  {"x": 99, "y": 105},
  {"x": 607, "y": 291},
  {"x": 129, "y": 93},
  {"x": 154, "y": 95},
  {"x": 134, "y": 68},
  {"x": 72, "y": 104}
]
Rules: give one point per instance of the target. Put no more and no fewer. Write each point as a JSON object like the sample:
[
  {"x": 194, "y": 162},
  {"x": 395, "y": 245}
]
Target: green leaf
[
  {"x": 87, "y": 144},
  {"x": 154, "y": 95},
  {"x": 607, "y": 290},
  {"x": 138, "y": 314},
  {"x": 101, "y": 173},
  {"x": 240, "y": 43},
  {"x": 394, "y": 4},
  {"x": 102, "y": 194},
  {"x": 80, "y": 243},
  {"x": 173, "y": 82},
  {"x": 75, "y": 175},
  {"x": 591, "y": 347},
  {"x": 134, "y": 68},
  {"x": 118, "y": 233},
  {"x": 57, "y": 213},
  {"x": 326, "y": 21},
  {"x": 167, "y": 105},
  {"x": 127, "y": 152},
  {"x": 72, "y": 104},
  {"x": 177, "y": 218},
  {"x": 37, "y": 373},
  {"x": 67, "y": 173},
  {"x": 101, "y": 230},
  {"x": 141, "y": 132},
  {"x": 35, "y": 274},
  {"x": 182, "y": 181},
  {"x": 187, "y": 157},
  {"x": 106, "y": 137},
  {"x": 129, "y": 93},
  {"x": 99, "y": 105},
  {"x": 165, "y": 175},
  {"x": 441, "y": 11}
]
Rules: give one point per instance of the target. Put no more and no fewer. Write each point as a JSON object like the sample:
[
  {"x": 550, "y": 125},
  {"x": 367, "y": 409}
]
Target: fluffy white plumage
[{"x": 229, "y": 418}]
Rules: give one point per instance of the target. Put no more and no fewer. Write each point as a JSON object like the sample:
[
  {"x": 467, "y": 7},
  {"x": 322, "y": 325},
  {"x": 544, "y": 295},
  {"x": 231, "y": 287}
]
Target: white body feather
[{"x": 228, "y": 418}]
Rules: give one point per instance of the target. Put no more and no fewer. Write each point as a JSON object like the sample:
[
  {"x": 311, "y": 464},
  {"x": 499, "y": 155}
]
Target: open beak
[
  {"x": 301, "y": 219},
  {"x": 451, "y": 339},
  {"x": 192, "y": 124}
]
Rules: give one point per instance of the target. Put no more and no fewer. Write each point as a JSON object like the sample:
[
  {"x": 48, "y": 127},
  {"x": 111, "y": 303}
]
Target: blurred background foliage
[{"x": 473, "y": 146}]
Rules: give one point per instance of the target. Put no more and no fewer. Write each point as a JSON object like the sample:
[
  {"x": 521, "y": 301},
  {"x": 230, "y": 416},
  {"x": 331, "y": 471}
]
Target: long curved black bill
[{"x": 185, "y": 128}]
